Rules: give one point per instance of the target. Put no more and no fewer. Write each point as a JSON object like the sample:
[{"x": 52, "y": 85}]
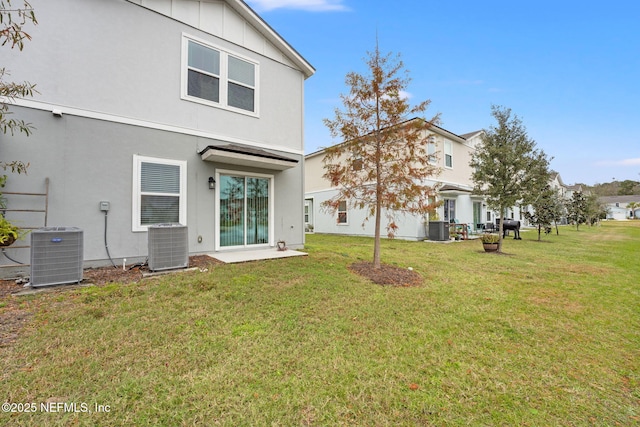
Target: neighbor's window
[
  {"x": 159, "y": 192},
  {"x": 448, "y": 154},
  {"x": 431, "y": 151},
  {"x": 356, "y": 162},
  {"x": 342, "y": 212},
  {"x": 219, "y": 78}
]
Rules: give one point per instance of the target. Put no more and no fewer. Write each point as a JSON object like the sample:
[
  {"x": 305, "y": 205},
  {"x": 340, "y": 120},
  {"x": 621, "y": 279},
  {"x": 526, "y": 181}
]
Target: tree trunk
[
  {"x": 539, "y": 229},
  {"x": 376, "y": 243},
  {"x": 501, "y": 229}
]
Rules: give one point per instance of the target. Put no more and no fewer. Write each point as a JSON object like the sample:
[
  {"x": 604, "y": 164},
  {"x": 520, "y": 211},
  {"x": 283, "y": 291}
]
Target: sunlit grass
[{"x": 547, "y": 334}]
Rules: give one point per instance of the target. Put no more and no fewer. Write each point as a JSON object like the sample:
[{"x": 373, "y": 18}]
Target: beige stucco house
[{"x": 453, "y": 153}]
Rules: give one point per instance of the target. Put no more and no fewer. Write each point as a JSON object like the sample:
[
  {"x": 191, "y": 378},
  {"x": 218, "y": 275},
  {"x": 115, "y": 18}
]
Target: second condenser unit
[{"x": 168, "y": 246}]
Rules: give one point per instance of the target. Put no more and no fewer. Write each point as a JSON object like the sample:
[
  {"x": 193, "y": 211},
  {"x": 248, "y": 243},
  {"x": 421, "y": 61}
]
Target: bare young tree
[{"x": 382, "y": 165}]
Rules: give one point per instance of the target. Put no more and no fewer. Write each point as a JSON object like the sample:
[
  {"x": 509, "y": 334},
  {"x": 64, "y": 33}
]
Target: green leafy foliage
[
  {"x": 489, "y": 238},
  {"x": 577, "y": 209},
  {"x": 8, "y": 231},
  {"x": 547, "y": 209},
  {"x": 507, "y": 167}
]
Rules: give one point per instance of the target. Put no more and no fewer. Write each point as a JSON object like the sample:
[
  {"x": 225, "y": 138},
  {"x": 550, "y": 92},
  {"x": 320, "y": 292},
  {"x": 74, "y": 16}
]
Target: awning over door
[{"x": 246, "y": 156}]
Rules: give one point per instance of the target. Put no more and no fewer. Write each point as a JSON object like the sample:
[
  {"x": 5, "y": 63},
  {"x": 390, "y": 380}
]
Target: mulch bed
[{"x": 387, "y": 274}]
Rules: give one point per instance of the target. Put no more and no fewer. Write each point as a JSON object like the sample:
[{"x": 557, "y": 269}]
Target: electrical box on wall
[{"x": 104, "y": 206}]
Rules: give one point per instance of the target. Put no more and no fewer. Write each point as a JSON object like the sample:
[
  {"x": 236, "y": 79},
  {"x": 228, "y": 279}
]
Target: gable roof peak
[{"x": 204, "y": 19}]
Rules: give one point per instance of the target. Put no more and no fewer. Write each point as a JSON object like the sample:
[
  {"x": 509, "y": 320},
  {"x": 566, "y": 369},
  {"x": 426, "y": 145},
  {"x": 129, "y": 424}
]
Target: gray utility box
[
  {"x": 438, "y": 230},
  {"x": 56, "y": 255},
  {"x": 168, "y": 246}
]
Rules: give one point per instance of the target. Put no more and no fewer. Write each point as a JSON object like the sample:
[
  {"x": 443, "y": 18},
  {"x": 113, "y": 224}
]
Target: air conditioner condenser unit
[
  {"x": 168, "y": 246},
  {"x": 56, "y": 256}
]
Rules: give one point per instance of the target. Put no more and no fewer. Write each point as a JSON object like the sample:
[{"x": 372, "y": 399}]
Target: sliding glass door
[{"x": 244, "y": 210}]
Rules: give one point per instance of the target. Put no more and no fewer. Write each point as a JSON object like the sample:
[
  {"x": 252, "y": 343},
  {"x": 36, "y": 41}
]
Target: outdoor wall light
[{"x": 212, "y": 183}]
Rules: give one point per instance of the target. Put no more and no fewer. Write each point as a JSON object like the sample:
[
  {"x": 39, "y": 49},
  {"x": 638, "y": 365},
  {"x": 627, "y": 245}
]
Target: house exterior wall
[
  {"x": 117, "y": 58},
  {"x": 617, "y": 212},
  {"x": 114, "y": 69}
]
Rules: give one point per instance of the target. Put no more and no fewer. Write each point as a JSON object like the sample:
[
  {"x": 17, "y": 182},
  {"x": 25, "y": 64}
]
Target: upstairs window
[
  {"x": 356, "y": 162},
  {"x": 203, "y": 72},
  {"x": 216, "y": 77},
  {"x": 431, "y": 151},
  {"x": 448, "y": 154}
]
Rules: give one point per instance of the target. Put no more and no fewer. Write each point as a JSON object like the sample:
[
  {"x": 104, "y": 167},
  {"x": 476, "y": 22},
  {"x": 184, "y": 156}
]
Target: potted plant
[
  {"x": 490, "y": 242},
  {"x": 9, "y": 233}
]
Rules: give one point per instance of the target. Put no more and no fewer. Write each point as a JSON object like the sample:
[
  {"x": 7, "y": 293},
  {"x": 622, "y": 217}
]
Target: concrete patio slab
[{"x": 254, "y": 255}]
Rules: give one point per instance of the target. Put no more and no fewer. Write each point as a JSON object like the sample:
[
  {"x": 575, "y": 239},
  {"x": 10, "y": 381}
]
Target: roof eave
[{"x": 265, "y": 29}]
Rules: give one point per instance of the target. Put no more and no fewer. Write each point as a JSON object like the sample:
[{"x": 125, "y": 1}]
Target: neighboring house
[
  {"x": 618, "y": 206},
  {"x": 563, "y": 191},
  {"x": 170, "y": 110},
  {"x": 453, "y": 154},
  {"x": 576, "y": 188},
  {"x": 558, "y": 185}
]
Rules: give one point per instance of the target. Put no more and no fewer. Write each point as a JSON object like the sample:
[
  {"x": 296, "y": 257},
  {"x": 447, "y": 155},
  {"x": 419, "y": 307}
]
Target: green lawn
[{"x": 546, "y": 335}]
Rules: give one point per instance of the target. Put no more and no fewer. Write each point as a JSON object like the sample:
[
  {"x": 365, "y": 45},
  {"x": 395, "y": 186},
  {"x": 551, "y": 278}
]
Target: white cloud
[
  {"x": 308, "y": 5},
  {"x": 402, "y": 95},
  {"x": 405, "y": 95},
  {"x": 630, "y": 162},
  {"x": 623, "y": 162}
]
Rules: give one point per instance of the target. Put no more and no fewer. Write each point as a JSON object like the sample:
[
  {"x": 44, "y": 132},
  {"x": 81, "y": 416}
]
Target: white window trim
[
  {"x": 272, "y": 241},
  {"x": 448, "y": 150},
  {"x": 224, "y": 77},
  {"x": 136, "y": 202}
]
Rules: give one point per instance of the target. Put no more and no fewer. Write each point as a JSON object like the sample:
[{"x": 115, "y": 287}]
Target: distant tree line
[{"x": 616, "y": 188}]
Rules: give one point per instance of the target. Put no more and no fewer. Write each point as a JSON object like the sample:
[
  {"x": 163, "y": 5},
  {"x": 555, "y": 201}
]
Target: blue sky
[{"x": 569, "y": 69}]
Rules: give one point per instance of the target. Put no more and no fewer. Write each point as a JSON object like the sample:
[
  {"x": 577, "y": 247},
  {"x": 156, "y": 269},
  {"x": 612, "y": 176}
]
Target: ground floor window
[
  {"x": 477, "y": 213},
  {"x": 342, "y": 212},
  {"x": 245, "y": 210},
  {"x": 159, "y": 192},
  {"x": 449, "y": 210}
]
